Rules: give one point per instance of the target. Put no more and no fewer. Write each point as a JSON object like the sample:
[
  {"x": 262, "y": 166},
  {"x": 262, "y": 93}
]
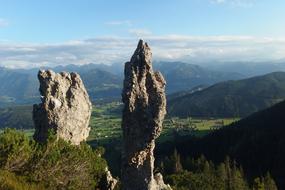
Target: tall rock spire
[{"x": 144, "y": 110}]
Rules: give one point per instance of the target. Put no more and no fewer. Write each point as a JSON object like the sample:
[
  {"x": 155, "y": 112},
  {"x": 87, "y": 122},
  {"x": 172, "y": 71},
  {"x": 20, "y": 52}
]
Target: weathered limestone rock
[
  {"x": 144, "y": 110},
  {"x": 159, "y": 180},
  {"x": 110, "y": 181},
  {"x": 65, "y": 107}
]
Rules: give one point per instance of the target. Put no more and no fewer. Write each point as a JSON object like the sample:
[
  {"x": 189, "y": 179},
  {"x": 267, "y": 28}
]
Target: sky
[{"x": 58, "y": 32}]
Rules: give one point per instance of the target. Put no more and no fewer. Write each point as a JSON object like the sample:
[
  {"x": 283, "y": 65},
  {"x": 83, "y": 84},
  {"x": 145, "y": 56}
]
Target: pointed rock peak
[
  {"x": 142, "y": 55},
  {"x": 142, "y": 45},
  {"x": 144, "y": 110}
]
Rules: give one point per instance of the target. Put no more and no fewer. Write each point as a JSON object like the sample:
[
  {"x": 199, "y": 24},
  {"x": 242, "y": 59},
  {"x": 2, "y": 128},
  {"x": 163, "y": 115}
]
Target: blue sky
[{"x": 53, "y": 32}]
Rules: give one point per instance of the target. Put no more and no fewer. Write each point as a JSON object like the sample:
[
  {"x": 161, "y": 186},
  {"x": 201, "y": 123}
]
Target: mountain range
[
  {"x": 248, "y": 69},
  {"x": 104, "y": 82},
  {"x": 182, "y": 76},
  {"x": 235, "y": 98}
]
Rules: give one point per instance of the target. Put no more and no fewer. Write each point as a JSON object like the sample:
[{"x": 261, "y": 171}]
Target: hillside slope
[
  {"x": 101, "y": 84},
  {"x": 19, "y": 117},
  {"x": 17, "y": 87},
  {"x": 256, "y": 142},
  {"x": 232, "y": 98}
]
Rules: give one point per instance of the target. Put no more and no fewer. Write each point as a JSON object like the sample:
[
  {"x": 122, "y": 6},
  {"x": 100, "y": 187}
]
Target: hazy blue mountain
[
  {"x": 115, "y": 68},
  {"x": 183, "y": 76},
  {"x": 17, "y": 87},
  {"x": 102, "y": 85},
  {"x": 231, "y": 98},
  {"x": 21, "y": 86},
  {"x": 248, "y": 69}
]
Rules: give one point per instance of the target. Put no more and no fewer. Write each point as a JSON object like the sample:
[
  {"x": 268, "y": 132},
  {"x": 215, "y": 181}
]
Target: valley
[{"x": 106, "y": 123}]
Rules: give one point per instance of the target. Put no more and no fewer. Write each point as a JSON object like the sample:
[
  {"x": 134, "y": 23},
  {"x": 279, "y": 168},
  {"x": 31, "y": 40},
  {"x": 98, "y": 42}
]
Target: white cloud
[
  {"x": 3, "y": 22},
  {"x": 119, "y": 23},
  {"x": 218, "y": 1},
  {"x": 237, "y": 3},
  {"x": 140, "y": 32},
  {"x": 118, "y": 50}
]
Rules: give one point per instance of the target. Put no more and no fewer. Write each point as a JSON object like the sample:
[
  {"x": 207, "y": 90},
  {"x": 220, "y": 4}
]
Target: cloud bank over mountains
[{"x": 109, "y": 50}]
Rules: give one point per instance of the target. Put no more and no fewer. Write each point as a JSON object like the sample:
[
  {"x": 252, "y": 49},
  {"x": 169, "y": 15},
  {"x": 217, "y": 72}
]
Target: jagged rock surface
[
  {"x": 110, "y": 182},
  {"x": 65, "y": 107},
  {"x": 160, "y": 182},
  {"x": 144, "y": 110}
]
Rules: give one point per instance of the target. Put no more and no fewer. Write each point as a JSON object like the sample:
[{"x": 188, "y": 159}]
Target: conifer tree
[
  {"x": 177, "y": 166},
  {"x": 269, "y": 183},
  {"x": 258, "y": 184},
  {"x": 221, "y": 177}
]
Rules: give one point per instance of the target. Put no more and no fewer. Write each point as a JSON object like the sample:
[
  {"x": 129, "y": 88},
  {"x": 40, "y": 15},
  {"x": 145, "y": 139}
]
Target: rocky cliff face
[
  {"x": 65, "y": 107},
  {"x": 144, "y": 110}
]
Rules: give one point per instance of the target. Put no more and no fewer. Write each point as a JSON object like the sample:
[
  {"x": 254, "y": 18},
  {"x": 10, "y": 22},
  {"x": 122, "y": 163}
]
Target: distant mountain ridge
[
  {"x": 17, "y": 86},
  {"x": 183, "y": 76},
  {"x": 248, "y": 69},
  {"x": 237, "y": 98},
  {"x": 104, "y": 82},
  {"x": 21, "y": 86}
]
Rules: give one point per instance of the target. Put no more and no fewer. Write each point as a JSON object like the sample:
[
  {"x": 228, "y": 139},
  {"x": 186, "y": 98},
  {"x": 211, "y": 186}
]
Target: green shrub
[
  {"x": 59, "y": 164},
  {"x": 9, "y": 181},
  {"x": 56, "y": 164},
  {"x": 15, "y": 149}
]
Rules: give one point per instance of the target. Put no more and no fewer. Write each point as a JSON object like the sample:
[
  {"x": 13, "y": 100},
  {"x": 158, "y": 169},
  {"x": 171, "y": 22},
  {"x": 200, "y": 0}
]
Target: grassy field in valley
[{"x": 106, "y": 124}]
